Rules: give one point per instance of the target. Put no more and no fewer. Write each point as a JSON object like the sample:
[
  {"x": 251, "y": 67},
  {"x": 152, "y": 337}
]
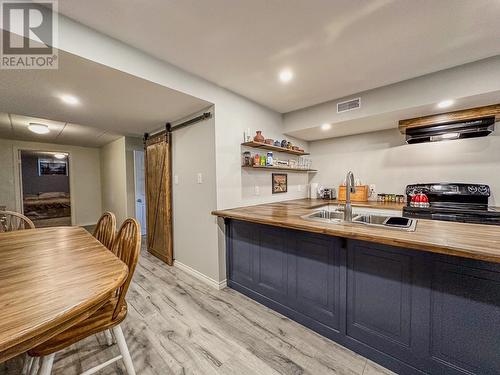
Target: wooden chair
[
  {"x": 126, "y": 247},
  {"x": 11, "y": 221},
  {"x": 105, "y": 229}
]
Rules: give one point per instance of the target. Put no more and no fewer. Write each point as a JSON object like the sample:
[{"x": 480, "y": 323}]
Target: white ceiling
[
  {"x": 335, "y": 47},
  {"x": 111, "y": 102},
  {"x": 388, "y": 120},
  {"x": 14, "y": 126}
]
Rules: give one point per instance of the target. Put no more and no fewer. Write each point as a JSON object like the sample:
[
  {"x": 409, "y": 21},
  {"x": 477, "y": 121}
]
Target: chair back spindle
[
  {"x": 11, "y": 221},
  {"x": 126, "y": 247},
  {"x": 105, "y": 229}
]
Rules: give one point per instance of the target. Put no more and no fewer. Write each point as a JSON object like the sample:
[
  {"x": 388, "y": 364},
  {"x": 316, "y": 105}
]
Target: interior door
[
  {"x": 158, "y": 157},
  {"x": 140, "y": 190}
]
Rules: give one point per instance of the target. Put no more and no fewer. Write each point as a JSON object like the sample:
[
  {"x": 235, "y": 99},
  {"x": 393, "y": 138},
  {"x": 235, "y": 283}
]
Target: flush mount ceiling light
[
  {"x": 326, "y": 127},
  {"x": 69, "y": 99},
  {"x": 445, "y": 103},
  {"x": 38, "y": 128},
  {"x": 286, "y": 75},
  {"x": 60, "y": 156}
]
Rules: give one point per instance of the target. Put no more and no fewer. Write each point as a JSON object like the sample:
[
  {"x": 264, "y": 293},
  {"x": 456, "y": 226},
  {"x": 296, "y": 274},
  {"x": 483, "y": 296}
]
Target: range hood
[
  {"x": 454, "y": 130},
  {"x": 466, "y": 123}
]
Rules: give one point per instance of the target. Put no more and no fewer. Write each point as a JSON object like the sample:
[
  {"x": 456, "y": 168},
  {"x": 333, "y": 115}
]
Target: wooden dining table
[{"x": 51, "y": 279}]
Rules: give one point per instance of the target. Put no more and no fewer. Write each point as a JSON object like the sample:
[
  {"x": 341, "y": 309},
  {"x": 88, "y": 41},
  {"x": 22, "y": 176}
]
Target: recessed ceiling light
[
  {"x": 326, "y": 127},
  {"x": 60, "y": 156},
  {"x": 38, "y": 128},
  {"x": 70, "y": 99},
  {"x": 445, "y": 103},
  {"x": 286, "y": 75}
]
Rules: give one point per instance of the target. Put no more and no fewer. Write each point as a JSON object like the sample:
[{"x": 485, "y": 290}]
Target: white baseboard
[{"x": 208, "y": 280}]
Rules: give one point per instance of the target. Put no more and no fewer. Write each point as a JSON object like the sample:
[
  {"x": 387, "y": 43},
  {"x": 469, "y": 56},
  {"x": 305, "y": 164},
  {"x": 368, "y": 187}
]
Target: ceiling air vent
[{"x": 349, "y": 105}]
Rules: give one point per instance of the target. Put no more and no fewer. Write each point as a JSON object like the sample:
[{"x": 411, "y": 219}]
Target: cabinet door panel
[
  {"x": 242, "y": 251},
  {"x": 270, "y": 263},
  {"x": 466, "y": 318},
  {"x": 315, "y": 280},
  {"x": 379, "y": 297}
]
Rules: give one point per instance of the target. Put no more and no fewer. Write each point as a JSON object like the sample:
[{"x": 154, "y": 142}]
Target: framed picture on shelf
[{"x": 280, "y": 183}]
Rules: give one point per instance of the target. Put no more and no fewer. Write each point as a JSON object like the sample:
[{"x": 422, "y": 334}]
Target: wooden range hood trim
[{"x": 443, "y": 118}]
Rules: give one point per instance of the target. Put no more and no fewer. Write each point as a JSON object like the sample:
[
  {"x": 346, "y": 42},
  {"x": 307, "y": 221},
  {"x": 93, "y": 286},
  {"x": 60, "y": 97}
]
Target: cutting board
[{"x": 361, "y": 194}]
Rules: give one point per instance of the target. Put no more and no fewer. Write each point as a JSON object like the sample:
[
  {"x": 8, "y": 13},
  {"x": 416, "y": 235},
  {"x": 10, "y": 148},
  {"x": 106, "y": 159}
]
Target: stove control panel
[
  {"x": 478, "y": 190},
  {"x": 446, "y": 189}
]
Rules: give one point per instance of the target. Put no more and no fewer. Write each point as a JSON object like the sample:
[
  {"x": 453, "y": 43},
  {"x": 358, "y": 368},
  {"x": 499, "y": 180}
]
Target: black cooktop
[{"x": 453, "y": 202}]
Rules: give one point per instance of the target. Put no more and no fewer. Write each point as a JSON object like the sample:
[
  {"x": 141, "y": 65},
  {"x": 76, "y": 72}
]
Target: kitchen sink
[
  {"x": 393, "y": 222},
  {"x": 325, "y": 216},
  {"x": 383, "y": 221},
  {"x": 370, "y": 219}
]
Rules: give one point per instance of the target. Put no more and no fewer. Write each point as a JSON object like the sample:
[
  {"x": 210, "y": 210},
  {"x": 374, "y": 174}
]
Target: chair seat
[{"x": 100, "y": 321}]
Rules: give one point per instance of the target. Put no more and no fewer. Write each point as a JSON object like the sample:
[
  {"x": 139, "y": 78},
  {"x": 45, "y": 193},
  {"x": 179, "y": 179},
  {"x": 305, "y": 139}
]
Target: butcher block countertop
[
  {"x": 473, "y": 241},
  {"x": 315, "y": 203}
]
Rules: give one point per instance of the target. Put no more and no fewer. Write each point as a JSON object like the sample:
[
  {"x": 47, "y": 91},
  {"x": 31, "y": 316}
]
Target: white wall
[
  {"x": 382, "y": 158},
  {"x": 233, "y": 115},
  {"x": 236, "y": 186},
  {"x": 101, "y": 179},
  {"x": 85, "y": 178},
  {"x": 195, "y": 230},
  {"x": 114, "y": 179}
]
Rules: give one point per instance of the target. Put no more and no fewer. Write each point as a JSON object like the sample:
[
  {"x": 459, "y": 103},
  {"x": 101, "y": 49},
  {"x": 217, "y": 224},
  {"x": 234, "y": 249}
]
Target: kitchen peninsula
[{"x": 417, "y": 302}]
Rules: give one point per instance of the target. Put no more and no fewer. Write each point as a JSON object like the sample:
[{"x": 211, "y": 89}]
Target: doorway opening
[
  {"x": 45, "y": 187},
  {"x": 140, "y": 190}
]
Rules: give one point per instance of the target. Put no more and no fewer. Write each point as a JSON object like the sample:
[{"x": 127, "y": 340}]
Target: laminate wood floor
[{"x": 178, "y": 325}]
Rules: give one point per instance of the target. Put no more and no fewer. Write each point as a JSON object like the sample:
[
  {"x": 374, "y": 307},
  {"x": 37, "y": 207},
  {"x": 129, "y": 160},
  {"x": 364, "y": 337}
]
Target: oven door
[{"x": 474, "y": 218}]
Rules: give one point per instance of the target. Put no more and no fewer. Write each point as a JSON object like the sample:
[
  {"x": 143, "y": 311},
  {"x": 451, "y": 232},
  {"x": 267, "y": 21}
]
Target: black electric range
[{"x": 467, "y": 203}]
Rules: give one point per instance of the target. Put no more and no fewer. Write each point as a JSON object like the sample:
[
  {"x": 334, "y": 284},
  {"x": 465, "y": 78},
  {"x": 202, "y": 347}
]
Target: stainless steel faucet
[{"x": 349, "y": 188}]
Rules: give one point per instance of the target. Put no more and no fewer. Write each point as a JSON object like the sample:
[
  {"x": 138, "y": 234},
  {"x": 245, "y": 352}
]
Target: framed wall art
[
  {"x": 50, "y": 167},
  {"x": 280, "y": 183}
]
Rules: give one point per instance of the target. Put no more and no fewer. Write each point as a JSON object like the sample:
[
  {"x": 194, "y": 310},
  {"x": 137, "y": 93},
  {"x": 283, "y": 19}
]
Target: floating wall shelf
[
  {"x": 273, "y": 148},
  {"x": 284, "y": 169}
]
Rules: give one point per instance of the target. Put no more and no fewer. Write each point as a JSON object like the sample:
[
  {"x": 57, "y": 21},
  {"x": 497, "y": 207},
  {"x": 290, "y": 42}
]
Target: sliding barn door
[{"x": 158, "y": 160}]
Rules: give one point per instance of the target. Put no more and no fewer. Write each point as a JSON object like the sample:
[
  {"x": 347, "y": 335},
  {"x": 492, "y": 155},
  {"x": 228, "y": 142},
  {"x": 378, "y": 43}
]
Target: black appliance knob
[
  {"x": 472, "y": 189},
  {"x": 483, "y": 189}
]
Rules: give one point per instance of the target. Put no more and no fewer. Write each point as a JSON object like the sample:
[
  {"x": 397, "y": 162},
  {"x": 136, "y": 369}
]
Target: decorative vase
[{"x": 259, "y": 137}]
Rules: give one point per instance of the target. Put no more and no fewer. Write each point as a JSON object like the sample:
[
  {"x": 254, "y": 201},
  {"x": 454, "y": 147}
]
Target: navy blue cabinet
[
  {"x": 295, "y": 273},
  {"x": 465, "y": 326},
  {"x": 242, "y": 254},
  {"x": 270, "y": 261},
  {"x": 411, "y": 311},
  {"x": 387, "y": 304},
  {"x": 379, "y": 297},
  {"x": 314, "y": 277}
]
